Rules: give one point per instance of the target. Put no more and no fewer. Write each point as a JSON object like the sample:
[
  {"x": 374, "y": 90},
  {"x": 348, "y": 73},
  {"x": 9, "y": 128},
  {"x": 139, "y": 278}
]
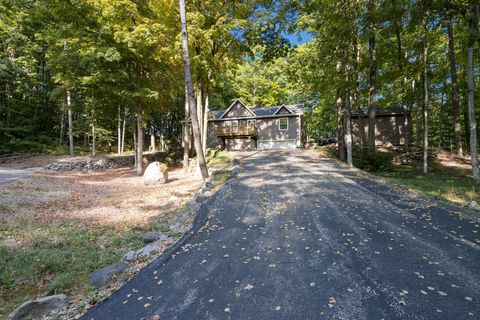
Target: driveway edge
[
  {"x": 201, "y": 217},
  {"x": 405, "y": 190}
]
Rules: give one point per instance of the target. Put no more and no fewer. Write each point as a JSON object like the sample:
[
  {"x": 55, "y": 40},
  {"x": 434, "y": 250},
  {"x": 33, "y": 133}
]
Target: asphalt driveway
[{"x": 297, "y": 237}]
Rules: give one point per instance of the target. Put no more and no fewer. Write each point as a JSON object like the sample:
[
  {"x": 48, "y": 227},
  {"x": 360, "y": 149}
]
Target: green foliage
[
  {"x": 163, "y": 167},
  {"x": 220, "y": 176},
  {"x": 442, "y": 183},
  {"x": 57, "y": 259},
  {"x": 218, "y": 157},
  {"x": 364, "y": 160}
]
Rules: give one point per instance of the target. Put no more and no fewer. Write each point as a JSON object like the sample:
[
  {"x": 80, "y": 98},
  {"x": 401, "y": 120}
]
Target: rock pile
[{"x": 112, "y": 162}]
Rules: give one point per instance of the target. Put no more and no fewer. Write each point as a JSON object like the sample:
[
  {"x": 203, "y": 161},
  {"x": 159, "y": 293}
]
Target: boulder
[
  {"x": 103, "y": 277},
  {"x": 201, "y": 199},
  {"x": 130, "y": 256},
  {"x": 39, "y": 308},
  {"x": 156, "y": 173},
  {"x": 473, "y": 205},
  {"x": 152, "y": 236}
]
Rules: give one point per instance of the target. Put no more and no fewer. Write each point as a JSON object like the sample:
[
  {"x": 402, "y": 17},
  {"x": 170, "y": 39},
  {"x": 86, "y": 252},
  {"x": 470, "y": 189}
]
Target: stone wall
[{"x": 114, "y": 162}]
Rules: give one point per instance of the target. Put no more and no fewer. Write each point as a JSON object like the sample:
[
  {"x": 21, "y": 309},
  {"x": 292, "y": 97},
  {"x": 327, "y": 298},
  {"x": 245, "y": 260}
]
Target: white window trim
[
  {"x": 230, "y": 123},
  {"x": 280, "y": 124}
]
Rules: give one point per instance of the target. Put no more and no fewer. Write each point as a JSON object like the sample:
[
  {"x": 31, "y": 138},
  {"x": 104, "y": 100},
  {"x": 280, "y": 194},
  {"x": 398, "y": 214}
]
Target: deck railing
[{"x": 236, "y": 131}]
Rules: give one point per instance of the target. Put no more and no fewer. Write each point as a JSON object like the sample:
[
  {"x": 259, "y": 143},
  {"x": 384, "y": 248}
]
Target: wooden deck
[{"x": 245, "y": 131}]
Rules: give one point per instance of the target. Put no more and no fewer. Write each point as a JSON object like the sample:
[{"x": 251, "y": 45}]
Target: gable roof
[
  {"x": 234, "y": 103},
  {"x": 284, "y": 108},
  {"x": 263, "y": 112}
]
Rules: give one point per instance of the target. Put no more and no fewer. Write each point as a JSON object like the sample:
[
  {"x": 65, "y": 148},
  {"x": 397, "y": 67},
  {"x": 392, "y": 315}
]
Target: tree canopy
[{"x": 109, "y": 62}]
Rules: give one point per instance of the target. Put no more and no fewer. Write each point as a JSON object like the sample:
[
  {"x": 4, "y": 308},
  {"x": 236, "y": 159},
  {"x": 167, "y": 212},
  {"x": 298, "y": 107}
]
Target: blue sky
[{"x": 298, "y": 38}]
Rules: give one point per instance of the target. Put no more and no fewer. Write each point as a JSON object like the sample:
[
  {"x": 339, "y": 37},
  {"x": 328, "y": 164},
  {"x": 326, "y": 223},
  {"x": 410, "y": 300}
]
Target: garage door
[{"x": 277, "y": 144}]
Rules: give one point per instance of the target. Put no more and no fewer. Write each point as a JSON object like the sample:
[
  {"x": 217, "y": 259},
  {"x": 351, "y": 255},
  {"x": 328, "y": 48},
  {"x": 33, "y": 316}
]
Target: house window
[
  {"x": 283, "y": 124},
  {"x": 251, "y": 122},
  {"x": 232, "y": 125}
]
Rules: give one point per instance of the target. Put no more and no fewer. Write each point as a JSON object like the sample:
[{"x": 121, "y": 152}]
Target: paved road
[
  {"x": 296, "y": 237},
  {"x": 8, "y": 174}
]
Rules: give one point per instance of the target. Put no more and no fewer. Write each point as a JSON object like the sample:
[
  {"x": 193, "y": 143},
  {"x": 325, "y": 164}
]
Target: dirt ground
[{"x": 114, "y": 197}]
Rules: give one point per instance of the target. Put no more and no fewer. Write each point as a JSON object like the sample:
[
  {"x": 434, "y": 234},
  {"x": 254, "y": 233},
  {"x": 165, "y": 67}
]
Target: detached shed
[{"x": 389, "y": 126}]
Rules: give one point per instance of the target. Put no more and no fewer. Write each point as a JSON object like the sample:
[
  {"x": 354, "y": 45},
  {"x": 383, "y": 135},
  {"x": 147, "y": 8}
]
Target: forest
[{"x": 90, "y": 76}]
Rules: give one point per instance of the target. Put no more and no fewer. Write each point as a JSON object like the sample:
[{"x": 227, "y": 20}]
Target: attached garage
[
  {"x": 240, "y": 144},
  {"x": 277, "y": 144}
]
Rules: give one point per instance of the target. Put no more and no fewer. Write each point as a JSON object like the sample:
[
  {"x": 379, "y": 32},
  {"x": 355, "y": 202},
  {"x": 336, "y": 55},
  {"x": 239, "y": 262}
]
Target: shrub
[{"x": 378, "y": 161}]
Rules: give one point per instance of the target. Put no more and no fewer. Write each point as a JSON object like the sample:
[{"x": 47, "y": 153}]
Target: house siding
[
  {"x": 212, "y": 140},
  {"x": 270, "y": 135},
  {"x": 388, "y": 129}
]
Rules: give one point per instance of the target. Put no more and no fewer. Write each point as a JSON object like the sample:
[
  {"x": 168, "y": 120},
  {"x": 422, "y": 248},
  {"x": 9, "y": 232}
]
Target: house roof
[
  {"x": 397, "y": 110},
  {"x": 295, "y": 109}
]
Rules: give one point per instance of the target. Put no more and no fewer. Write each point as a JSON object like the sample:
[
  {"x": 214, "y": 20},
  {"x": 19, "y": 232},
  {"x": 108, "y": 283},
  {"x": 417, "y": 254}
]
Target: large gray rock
[
  {"x": 156, "y": 173},
  {"x": 103, "y": 277},
  {"x": 39, "y": 308},
  {"x": 145, "y": 251},
  {"x": 152, "y": 236},
  {"x": 130, "y": 256}
]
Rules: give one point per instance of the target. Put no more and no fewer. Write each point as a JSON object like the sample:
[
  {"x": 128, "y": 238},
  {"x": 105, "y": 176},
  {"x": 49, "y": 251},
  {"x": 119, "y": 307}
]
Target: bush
[
  {"x": 378, "y": 161},
  {"x": 40, "y": 144}
]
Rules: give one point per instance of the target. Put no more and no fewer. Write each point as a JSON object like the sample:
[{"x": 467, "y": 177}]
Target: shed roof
[{"x": 397, "y": 110}]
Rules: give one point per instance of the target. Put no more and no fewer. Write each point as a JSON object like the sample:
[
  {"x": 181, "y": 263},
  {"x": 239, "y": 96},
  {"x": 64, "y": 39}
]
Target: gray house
[{"x": 242, "y": 128}]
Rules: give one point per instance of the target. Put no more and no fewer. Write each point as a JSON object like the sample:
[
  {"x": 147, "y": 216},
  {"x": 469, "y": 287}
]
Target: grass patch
[
  {"x": 220, "y": 176},
  {"x": 448, "y": 185},
  {"x": 46, "y": 260},
  {"x": 218, "y": 157}
]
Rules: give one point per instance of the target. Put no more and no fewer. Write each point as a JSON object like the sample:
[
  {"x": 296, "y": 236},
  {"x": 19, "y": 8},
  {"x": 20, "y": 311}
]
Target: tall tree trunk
[
  {"x": 417, "y": 116},
  {"x": 152, "y": 136},
  {"x": 123, "y": 129},
  {"x": 119, "y": 131},
  {"x": 471, "y": 100},
  {"x": 140, "y": 134},
  {"x": 135, "y": 144},
  {"x": 373, "y": 78},
  {"x": 425, "y": 93},
  {"x": 476, "y": 15},
  {"x": 205, "y": 124},
  {"x": 455, "y": 94},
  {"x": 70, "y": 123},
  {"x": 62, "y": 126},
  {"x": 356, "y": 96},
  {"x": 401, "y": 63},
  {"x": 200, "y": 109},
  {"x": 94, "y": 140},
  {"x": 340, "y": 125},
  {"x": 340, "y": 115},
  {"x": 139, "y": 149},
  {"x": 191, "y": 96},
  {"x": 186, "y": 133},
  {"x": 348, "y": 124},
  {"x": 440, "y": 116}
]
